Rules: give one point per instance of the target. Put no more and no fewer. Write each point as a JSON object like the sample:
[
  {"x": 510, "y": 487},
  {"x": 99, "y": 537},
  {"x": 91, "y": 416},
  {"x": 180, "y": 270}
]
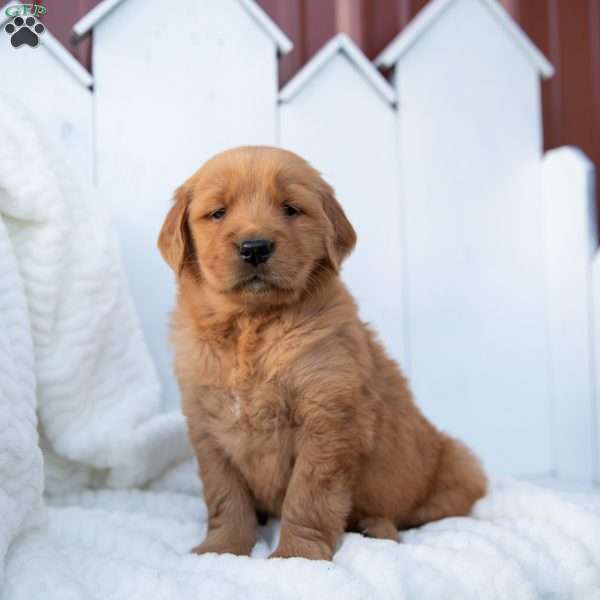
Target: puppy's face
[{"x": 256, "y": 223}]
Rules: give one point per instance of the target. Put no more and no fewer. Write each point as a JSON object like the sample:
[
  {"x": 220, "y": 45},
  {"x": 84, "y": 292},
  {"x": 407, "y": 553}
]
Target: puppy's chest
[
  {"x": 248, "y": 387},
  {"x": 250, "y": 405},
  {"x": 249, "y": 410}
]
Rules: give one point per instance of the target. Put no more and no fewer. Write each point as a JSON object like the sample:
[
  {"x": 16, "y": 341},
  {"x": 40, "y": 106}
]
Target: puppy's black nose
[{"x": 256, "y": 252}]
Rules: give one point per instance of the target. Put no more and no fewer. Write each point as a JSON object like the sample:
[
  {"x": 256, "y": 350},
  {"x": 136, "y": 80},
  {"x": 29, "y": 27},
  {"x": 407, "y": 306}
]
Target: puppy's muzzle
[{"x": 256, "y": 252}]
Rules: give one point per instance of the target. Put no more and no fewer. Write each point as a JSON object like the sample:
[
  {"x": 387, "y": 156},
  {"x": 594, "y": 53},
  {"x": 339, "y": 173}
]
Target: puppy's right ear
[{"x": 173, "y": 241}]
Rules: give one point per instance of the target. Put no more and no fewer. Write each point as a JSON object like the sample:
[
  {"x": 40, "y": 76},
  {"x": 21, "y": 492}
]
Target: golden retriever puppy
[{"x": 293, "y": 407}]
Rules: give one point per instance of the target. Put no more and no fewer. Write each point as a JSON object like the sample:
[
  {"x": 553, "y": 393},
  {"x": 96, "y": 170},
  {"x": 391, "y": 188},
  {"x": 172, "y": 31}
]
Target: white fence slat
[
  {"x": 570, "y": 243},
  {"x": 342, "y": 125},
  {"x": 596, "y": 361},
  {"x": 470, "y": 169},
  {"x": 195, "y": 82},
  {"x": 60, "y": 105}
]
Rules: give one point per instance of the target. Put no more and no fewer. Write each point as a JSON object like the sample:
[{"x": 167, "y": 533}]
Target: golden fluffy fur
[{"x": 293, "y": 407}]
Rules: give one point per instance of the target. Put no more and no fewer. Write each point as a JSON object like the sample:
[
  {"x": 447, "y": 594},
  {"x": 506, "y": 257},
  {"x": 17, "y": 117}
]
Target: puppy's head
[{"x": 258, "y": 224}]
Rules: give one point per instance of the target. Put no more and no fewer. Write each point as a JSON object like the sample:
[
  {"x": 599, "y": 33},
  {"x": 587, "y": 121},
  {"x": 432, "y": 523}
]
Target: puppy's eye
[
  {"x": 290, "y": 211},
  {"x": 217, "y": 215}
]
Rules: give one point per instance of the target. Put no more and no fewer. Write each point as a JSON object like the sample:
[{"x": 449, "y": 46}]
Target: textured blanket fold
[
  {"x": 78, "y": 386},
  {"x": 71, "y": 348},
  {"x": 522, "y": 543}
]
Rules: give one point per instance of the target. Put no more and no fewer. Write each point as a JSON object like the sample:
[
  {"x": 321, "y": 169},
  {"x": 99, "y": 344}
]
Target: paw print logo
[{"x": 24, "y": 31}]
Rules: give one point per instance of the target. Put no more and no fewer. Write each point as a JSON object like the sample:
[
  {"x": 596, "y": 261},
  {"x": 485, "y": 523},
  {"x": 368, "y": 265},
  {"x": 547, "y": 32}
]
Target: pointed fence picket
[
  {"x": 338, "y": 113},
  {"x": 52, "y": 88},
  {"x": 469, "y": 165},
  {"x": 187, "y": 88}
]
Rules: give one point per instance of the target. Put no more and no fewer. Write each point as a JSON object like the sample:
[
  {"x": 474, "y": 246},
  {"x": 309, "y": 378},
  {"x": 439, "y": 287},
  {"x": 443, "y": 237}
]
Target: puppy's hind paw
[{"x": 378, "y": 527}]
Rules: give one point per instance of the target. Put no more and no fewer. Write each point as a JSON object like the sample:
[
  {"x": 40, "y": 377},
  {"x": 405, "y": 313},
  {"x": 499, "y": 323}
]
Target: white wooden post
[
  {"x": 596, "y": 362},
  {"x": 173, "y": 88},
  {"x": 469, "y": 131},
  {"x": 52, "y": 88},
  {"x": 571, "y": 241},
  {"x": 338, "y": 113}
]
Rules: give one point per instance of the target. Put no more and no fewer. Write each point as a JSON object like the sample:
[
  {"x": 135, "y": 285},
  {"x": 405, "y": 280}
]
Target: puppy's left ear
[
  {"x": 174, "y": 240},
  {"x": 341, "y": 244}
]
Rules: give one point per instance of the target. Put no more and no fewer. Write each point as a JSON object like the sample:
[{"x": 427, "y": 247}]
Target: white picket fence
[{"x": 476, "y": 259}]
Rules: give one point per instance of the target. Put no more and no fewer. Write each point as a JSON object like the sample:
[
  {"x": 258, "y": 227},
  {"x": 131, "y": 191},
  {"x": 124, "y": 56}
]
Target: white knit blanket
[{"x": 73, "y": 364}]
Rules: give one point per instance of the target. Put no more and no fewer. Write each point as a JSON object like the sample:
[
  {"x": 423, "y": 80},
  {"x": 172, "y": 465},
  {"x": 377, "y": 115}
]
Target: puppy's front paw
[
  {"x": 222, "y": 545},
  {"x": 303, "y": 549}
]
